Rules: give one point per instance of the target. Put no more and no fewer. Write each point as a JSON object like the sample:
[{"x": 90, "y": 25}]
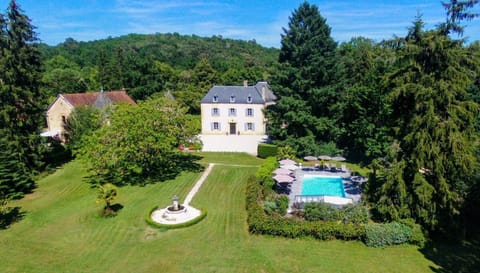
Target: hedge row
[
  {"x": 148, "y": 219},
  {"x": 373, "y": 234},
  {"x": 260, "y": 223},
  {"x": 266, "y": 150},
  {"x": 378, "y": 235},
  {"x": 264, "y": 173}
]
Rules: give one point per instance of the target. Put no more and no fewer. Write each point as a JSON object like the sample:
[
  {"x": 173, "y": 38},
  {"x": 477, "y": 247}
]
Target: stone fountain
[
  {"x": 175, "y": 213},
  {"x": 175, "y": 208}
]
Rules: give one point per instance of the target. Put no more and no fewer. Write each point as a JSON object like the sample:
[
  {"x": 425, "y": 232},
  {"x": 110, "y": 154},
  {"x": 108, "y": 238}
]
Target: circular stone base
[{"x": 163, "y": 216}]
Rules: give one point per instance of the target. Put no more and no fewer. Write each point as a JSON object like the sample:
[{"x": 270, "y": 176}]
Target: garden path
[{"x": 198, "y": 184}]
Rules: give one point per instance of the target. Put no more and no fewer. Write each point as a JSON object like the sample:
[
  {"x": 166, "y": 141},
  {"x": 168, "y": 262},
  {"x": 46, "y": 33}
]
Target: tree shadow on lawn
[
  {"x": 111, "y": 211},
  {"x": 184, "y": 162},
  {"x": 454, "y": 257},
  {"x": 12, "y": 216}
]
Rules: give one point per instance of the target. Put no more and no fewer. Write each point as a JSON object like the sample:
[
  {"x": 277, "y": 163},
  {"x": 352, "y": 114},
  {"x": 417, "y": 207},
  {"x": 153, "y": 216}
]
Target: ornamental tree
[{"x": 138, "y": 145}]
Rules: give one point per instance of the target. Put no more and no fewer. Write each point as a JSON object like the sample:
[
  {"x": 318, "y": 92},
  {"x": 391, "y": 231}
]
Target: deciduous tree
[{"x": 140, "y": 144}]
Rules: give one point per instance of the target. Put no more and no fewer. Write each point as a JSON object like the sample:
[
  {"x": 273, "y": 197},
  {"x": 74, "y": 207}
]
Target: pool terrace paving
[{"x": 352, "y": 190}]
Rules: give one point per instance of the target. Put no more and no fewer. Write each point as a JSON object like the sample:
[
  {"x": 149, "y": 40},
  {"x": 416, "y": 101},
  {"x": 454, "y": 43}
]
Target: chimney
[
  {"x": 264, "y": 90},
  {"x": 245, "y": 83}
]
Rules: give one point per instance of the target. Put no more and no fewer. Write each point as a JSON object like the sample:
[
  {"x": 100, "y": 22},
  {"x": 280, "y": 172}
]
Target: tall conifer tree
[
  {"x": 306, "y": 64},
  {"x": 434, "y": 124},
  {"x": 22, "y": 103}
]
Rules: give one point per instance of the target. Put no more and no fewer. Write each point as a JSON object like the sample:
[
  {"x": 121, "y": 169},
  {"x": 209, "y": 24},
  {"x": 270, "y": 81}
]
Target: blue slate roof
[{"x": 260, "y": 93}]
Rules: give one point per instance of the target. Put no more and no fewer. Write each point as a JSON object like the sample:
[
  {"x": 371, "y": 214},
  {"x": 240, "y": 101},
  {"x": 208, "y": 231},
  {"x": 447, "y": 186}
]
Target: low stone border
[{"x": 172, "y": 225}]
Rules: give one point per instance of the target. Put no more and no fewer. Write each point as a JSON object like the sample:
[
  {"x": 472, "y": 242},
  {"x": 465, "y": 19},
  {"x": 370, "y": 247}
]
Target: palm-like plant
[{"x": 107, "y": 193}]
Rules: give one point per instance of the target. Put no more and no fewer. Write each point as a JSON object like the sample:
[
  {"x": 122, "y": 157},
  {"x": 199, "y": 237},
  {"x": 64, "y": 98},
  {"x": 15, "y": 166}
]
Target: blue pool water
[{"x": 323, "y": 185}]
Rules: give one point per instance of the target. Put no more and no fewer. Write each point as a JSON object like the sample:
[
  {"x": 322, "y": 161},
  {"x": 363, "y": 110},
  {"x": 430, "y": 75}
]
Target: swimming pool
[{"x": 323, "y": 185}]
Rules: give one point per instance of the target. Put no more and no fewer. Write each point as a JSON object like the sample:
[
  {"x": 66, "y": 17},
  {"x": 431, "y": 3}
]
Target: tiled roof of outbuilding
[{"x": 81, "y": 99}]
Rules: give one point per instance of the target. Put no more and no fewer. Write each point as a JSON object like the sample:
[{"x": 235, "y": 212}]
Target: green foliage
[
  {"x": 303, "y": 145},
  {"x": 15, "y": 176},
  {"x": 265, "y": 150},
  {"x": 64, "y": 76},
  {"x": 8, "y": 214},
  {"x": 418, "y": 236},
  {"x": 140, "y": 144},
  {"x": 186, "y": 66},
  {"x": 4, "y": 208},
  {"x": 321, "y": 211},
  {"x": 362, "y": 112},
  {"x": 305, "y": 68},
  {"x": 457, "y": 11},
  {"x": 264, "y": 174},
  {"x": 55, "y": 154},
  {"x": 22, "y": 102},
  {"x": 107, "y": 193},
  {"x": 355, "y": 214},
  {"x": 148, "y": 219},
  {"x": 380, "y": 235},
  {"x": 82, "y": 122},
  {"x": 276, "y": 205},
  {"x": 286, "y": 152},
  {"x": 434, "y": 124},
  {"x": 329, "y": 148}
]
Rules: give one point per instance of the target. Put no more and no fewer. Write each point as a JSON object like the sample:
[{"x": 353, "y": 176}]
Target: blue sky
[{"x": 86, "y": 20}]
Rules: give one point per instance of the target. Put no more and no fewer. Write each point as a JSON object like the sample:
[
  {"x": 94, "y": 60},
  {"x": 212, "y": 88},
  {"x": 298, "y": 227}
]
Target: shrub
[
  {"x": 264, "y": 173},
  {"x": 394, "y": 233},
  {"x": 321, "y": 211},
  {"x": 418, "y": 237},
  {"x": 282, "y": 204},
  {"x": 329, "y": 148},
  {"x": 277, "y": 205},
  {"x": 270, "y": 207},
  {"x": 356, "y": 214},
  {"x": 286, "y": 152},
  {"x": 266, "y": 150}
]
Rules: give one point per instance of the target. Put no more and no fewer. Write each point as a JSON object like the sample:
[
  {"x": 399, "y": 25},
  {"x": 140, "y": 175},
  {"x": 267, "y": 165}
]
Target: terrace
[{"x": 352, "y": 186}]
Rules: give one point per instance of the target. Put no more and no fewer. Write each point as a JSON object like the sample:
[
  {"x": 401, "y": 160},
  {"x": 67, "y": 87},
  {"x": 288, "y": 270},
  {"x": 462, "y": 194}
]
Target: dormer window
[
  {"x": 232, "y": 98},
  {"x": 249, "y": 99},
  {"x": 215, "y": 98}
]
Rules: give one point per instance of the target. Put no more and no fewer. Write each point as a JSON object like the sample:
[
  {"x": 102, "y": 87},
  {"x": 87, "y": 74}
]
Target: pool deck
[{"x": 352, "y": 190}]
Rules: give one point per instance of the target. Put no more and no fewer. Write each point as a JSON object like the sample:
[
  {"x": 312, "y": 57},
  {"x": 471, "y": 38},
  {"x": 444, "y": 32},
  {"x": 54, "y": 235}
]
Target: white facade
[{"x": 233, "y": 119}]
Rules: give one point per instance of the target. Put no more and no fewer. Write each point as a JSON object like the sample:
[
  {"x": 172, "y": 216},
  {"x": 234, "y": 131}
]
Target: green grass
[
  {"x": 229, "y": 158},
  {"x": 351, "y": 166},
  {"x": 62, "y": 232}
]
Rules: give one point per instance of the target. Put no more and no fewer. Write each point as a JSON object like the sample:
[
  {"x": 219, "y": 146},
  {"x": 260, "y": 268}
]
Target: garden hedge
[
  {"x": 266, "y": 150},
  {"x": 385, "y": 234}
]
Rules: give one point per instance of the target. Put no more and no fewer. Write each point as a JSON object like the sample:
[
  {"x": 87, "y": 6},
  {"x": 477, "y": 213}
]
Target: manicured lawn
[
  {"x": 229, "y": 158},
  {"x": 62, "y": 232}
]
